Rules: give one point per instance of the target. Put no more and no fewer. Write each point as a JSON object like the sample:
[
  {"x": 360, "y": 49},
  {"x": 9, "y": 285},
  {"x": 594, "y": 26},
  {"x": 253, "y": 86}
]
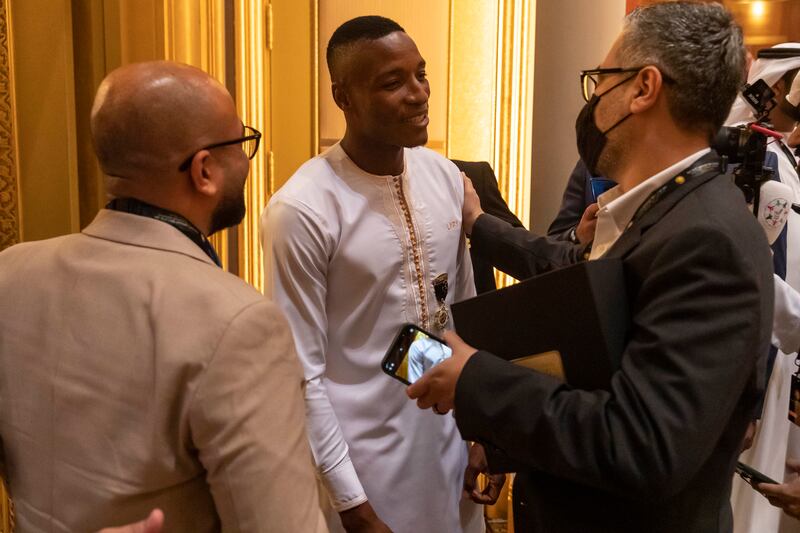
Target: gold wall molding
[
  {"x": 514, "y": 108},
  {"x": 252, "y": 79},
  {"x": 9, "y": 182},
  {"x": 490, "y": 104},
  {"x": 194, "y": 33},
  {"x": 513, "y": 113}
]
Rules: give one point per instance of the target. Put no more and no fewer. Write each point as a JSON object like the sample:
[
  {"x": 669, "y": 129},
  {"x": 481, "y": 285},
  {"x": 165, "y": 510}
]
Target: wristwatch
[{"x": 573, "y": 237}]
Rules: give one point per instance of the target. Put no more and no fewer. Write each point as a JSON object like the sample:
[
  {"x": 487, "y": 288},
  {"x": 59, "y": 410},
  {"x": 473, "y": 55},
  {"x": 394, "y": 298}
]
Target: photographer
[{"x": 654, "y": 451}]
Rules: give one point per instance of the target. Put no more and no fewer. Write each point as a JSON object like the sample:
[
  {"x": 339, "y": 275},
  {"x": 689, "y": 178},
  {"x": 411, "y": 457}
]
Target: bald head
[{"x": 148, "y": 117}]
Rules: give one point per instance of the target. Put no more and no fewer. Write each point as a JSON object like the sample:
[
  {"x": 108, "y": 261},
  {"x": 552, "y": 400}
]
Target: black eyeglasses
[
  {"x": 589, "y": 80},
  {"x": 249, "y": 144}
]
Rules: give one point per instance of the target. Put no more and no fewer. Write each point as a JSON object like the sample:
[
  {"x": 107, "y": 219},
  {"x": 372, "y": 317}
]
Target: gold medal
[{"x": 441, "y": 316}]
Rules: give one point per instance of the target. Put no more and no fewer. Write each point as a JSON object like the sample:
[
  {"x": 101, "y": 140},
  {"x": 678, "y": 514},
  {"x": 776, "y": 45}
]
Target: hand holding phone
[
  {"x": 752, "y": 476},
  {"x": 413, "y": 352}
]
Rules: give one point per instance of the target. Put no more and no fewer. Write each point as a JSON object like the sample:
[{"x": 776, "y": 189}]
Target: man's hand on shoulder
[
  {"x": 472, "y": 206},
  {"x": 362, "y": 519}
]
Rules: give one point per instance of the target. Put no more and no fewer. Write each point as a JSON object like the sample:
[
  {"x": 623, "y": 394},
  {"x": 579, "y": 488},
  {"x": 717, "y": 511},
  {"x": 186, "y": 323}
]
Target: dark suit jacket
[
  {"x": 492, "y": 202},
  {"x": 549, "y": 252},
  {"x": 656, "y": 450},
  {"x": 577, "y": 196}
]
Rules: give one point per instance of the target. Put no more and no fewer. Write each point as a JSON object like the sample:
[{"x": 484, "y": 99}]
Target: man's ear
[
  {"x": 200, "y": 174},
  {"x": 340, "y": 96},
  {"x": 648, "y": 86}
]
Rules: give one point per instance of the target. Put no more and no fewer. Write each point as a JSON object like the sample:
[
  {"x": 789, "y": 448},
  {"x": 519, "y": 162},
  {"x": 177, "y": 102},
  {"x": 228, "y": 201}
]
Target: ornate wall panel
[
  {"x": 491, "y": 93},
  {"x": 252, "y": 78},
  {"x": 9, "y": 186}
]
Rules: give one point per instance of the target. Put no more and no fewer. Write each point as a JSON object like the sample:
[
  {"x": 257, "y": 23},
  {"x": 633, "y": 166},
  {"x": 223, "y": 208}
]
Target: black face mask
[{"x": 591, "y": 140}]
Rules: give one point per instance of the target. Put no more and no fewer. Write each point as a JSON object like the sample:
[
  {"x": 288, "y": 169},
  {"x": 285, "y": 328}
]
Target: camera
[{"x": 746, "y": 145}]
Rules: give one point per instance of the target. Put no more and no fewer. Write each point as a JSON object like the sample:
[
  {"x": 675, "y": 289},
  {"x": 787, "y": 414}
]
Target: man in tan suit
[{"x": 134, "y": 372}]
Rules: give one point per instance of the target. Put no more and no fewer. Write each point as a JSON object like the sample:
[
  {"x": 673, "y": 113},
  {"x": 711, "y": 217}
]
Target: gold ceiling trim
[
  {"x": 252, "y": 77},
  {"x": 10, "y": 205}
]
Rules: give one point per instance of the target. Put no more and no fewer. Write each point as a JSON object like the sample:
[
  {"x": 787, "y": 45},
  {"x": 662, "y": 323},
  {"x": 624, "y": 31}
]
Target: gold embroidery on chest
[{"x": 416, "y": 250}]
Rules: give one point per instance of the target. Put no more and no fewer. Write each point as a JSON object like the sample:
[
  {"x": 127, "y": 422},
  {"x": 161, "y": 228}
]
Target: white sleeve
[
  {"x": 786, "y": 319},
  {"x": 465, "y": 281},
  {"x": 296, "y": 247}
]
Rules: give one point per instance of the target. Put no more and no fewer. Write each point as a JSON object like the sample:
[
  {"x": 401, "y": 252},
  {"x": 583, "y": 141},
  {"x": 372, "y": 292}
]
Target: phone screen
[
  {"x": 600, "y": 185},
  {"x": 413, "y": 352}
]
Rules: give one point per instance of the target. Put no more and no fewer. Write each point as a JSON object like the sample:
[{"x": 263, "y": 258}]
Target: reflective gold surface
[
  {"x": 9, "y": 186},
  {"x": 513, "y": 122},
  {"x": 194, "y": 33},
  {"x": 491, "y": 93},
  {"x": 252, "y": 80}
]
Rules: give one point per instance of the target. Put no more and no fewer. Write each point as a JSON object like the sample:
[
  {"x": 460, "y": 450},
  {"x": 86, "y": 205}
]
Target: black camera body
[{"x": 746, "y": 145}]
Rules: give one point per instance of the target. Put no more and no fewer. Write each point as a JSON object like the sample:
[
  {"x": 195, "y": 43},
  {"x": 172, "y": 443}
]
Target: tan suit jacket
[{"x": 135, "y": 374}]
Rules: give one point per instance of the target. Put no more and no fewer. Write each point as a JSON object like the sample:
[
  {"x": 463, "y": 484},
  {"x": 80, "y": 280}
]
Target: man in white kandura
[
  {"x": 776, "y": 439},
  {"x": 356, "y": 243}
]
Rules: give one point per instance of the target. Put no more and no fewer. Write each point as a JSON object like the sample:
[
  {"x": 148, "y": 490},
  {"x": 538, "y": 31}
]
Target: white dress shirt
[
  {"x": 616, "y": 210},
  {"x": 350, "y": 257}
]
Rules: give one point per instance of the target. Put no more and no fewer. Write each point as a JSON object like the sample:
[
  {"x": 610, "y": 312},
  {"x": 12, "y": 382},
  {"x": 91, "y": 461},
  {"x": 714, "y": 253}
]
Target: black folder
[{"x": 571, "y": 322}]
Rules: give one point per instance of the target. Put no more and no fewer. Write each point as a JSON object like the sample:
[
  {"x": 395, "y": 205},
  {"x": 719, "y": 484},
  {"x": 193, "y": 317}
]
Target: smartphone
[
  {"x": 600, "y": 185},
  {"x": 413, "y": 352},
  {"x": 751, "y": 475}
]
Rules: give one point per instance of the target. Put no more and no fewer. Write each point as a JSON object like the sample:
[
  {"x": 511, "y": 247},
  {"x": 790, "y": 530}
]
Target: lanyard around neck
[
  {"x": 137, "y": 207},
  {"x": 663, "y": 191}
]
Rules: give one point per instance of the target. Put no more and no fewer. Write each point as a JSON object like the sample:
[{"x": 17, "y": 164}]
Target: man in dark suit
[
  {"x": 577, "y": 197},
  {"x": 654, "y": 450},
  {"x": 492, "y": 202}
]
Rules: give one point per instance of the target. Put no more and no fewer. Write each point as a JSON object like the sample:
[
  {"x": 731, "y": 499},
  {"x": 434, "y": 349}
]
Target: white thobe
[
  {"x": 350, "y": 257},
  {"x": 777, "y": 439}
]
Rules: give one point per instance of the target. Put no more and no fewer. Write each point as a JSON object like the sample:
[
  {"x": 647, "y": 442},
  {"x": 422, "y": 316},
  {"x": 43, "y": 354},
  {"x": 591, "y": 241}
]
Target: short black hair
[{"x": 366, "y": 28}]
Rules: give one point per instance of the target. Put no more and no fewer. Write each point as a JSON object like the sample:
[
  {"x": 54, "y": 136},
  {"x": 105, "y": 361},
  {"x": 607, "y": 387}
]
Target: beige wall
[{"x": 571, "y": 35}]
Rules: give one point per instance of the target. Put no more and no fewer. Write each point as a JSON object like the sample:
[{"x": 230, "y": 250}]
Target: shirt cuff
[{"x": 344, "y": 488}]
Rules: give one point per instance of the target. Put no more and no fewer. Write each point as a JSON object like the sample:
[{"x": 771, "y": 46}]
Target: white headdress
[{"x": 769, "y": 70}]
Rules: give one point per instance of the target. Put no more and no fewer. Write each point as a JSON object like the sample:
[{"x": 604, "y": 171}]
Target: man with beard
[
  {"x": 655, "y": 449},
  {"x": 361, "y": 239},
  {"x": 134, "y": 372}
]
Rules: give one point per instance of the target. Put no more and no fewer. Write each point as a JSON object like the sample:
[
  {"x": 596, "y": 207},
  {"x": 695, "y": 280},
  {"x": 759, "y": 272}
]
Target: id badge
[{"x": 794, "y": 400}]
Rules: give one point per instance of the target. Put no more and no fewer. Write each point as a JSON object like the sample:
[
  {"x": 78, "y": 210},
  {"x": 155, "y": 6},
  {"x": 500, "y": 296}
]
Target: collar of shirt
[{"x": 617, "y": 209}]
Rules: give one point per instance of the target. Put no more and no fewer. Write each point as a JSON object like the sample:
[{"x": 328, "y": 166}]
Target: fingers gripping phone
[
  {"x": 751, "y": 475},
  {"x": 413, "y": 352}
]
